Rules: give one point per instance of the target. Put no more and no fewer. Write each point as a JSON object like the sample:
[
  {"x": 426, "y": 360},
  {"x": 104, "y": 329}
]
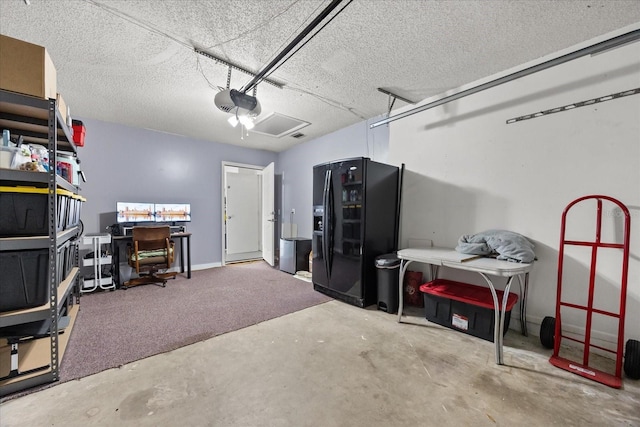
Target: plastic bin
[
  {"x": 13, "y": 157},
  {"x": 24, "y": 211},
  {"x": 73, "y": 167},
  {"x": 464, "y": 307},
  {"x": 70, "y": 258},
  {"x": 388, "y": 267},
  {"x": 66, "y": 260},
  {"x": 63, "y": 252},
  {"x": 7, "y": 155},
  {"x": 74, "y": 210},
  {"x": 24, "y": 279},
  {"x": 78, "y": 132}
]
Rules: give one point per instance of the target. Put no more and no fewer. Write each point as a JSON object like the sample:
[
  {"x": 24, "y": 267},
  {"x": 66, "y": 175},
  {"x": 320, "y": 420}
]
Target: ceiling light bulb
[
  {"x": 233, "y": 121},
  {"x": 246, "y": 122}
]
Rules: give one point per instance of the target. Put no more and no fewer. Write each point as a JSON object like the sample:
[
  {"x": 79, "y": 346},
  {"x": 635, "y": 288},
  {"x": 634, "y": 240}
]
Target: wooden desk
[
  {"x": 486, "y": 267},
  {"x": 181, "y": 236}
]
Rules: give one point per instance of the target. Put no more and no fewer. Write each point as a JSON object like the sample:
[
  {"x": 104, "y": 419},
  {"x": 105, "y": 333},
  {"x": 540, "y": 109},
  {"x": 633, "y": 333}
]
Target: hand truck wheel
[
  {"x": 547, "y": 332},
  {"x": 632, "y": 359}
]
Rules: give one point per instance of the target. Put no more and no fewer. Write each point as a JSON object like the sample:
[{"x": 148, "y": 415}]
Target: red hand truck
[{"x": 551, "y": 328}]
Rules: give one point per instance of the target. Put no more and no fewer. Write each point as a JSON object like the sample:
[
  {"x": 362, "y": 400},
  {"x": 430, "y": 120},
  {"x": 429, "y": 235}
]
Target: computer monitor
[
  {"x": 134, "y": 212},
  {"x": 173, "y": 212}
]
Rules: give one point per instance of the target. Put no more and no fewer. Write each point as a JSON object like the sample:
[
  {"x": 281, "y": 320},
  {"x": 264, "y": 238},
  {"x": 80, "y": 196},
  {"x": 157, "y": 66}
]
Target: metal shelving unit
[{"x": 39, "y": 121}]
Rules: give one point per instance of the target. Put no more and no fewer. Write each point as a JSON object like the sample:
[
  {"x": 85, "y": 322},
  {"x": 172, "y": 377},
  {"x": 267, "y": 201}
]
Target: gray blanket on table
[{"x": 507, "y": 245}]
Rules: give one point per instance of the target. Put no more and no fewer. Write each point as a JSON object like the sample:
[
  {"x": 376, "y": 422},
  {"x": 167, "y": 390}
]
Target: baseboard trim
[
  {"x": 206, "y": 266},
  {"x": 196, "y": 267}
]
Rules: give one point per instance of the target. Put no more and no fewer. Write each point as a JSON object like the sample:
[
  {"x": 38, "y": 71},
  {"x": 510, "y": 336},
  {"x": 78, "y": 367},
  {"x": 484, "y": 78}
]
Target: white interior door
[
  {"x": 243, "y": 211},
  {"x": 268, "y": 213}
]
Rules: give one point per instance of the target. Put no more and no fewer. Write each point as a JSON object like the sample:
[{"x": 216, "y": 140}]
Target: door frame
[
  {"x": 223, "y": 205},
  {"x": 268, "y": 211}
]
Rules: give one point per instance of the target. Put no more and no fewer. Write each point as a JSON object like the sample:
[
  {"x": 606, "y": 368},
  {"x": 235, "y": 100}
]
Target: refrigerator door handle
[
  {"x": 325, "y": 223},
  {"x": 330, "y": 221}
]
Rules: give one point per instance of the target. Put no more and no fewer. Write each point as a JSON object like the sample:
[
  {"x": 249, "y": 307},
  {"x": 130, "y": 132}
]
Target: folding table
[{"x": 446, "y": 257}]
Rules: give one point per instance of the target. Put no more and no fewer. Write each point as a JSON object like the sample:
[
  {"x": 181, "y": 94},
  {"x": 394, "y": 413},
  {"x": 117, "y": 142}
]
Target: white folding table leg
[
  {"x": 498, "y": 315},
  {"x": 404, "y": 264}
]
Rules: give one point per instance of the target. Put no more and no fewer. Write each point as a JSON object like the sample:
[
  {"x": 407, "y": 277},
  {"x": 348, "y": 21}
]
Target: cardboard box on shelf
[
  {"x": 26, "y": 68},
  {"x": 62, "y": 107}
]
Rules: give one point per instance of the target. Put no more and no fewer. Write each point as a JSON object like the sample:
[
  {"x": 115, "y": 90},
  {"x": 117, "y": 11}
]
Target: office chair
[{"x": 150, "y": 251}]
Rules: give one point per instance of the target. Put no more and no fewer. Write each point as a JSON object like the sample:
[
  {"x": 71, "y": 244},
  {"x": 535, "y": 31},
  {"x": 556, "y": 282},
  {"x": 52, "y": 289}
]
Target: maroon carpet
[{"x": 118, "y": 327}]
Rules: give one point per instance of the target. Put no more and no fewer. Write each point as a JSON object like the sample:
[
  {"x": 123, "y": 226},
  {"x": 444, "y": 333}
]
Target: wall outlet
[{"x": 293, "y": 211}]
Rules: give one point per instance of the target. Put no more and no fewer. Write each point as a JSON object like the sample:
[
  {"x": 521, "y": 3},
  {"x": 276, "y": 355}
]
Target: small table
[
  {"x": 181, "y": 235},
  {"x": 486, "y": 267}
]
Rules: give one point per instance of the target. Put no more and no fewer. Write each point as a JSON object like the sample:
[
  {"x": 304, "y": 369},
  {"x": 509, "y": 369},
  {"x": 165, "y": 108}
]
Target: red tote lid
[{"x": 467, "y": 293}]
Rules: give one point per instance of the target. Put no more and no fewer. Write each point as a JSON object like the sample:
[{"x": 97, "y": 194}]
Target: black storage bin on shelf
[
  {"x": 63, "y": 252},
  {"x": 24, "y": 211},
  {"x": 388, "y": 266},
  {"x": 73, "y": 212},
  {"x": 464, "y": 307},
  {"x": 70, "y": 258},
  {"x": 23, "y": 276}
]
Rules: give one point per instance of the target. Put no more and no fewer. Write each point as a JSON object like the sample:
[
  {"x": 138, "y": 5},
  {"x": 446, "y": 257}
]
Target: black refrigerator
[{"x": 354, "y": 220}]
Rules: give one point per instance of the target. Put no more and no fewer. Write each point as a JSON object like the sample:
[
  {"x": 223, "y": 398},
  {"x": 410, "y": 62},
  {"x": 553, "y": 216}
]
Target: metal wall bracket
[
  {"x": 602, "y": 46},
  {"x": 575, "y": 105}
]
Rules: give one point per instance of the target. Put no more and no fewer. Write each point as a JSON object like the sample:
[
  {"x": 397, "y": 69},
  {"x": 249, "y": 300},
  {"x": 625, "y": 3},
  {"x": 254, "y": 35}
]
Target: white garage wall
[
  {"x": 295, "y": 166},
  {"x": 468, "y": 171}
]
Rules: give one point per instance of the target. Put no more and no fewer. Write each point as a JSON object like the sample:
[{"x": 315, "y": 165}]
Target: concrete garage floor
[{"x": 335, "y": 365}]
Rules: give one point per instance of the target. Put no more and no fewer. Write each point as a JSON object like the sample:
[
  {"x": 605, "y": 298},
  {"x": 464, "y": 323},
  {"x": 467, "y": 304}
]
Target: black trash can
[{"x": 388, "y": 267}]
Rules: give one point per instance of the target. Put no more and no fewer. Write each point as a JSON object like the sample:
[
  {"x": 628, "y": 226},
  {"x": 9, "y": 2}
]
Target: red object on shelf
[
  {"x": 596, "y": 246},
  {"x": 65, "y": 170},
  {"x": 78, "y": 133}
]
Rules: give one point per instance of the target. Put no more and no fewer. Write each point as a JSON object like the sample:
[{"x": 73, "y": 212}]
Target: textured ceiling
[{"x": 133, "y": 62}]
